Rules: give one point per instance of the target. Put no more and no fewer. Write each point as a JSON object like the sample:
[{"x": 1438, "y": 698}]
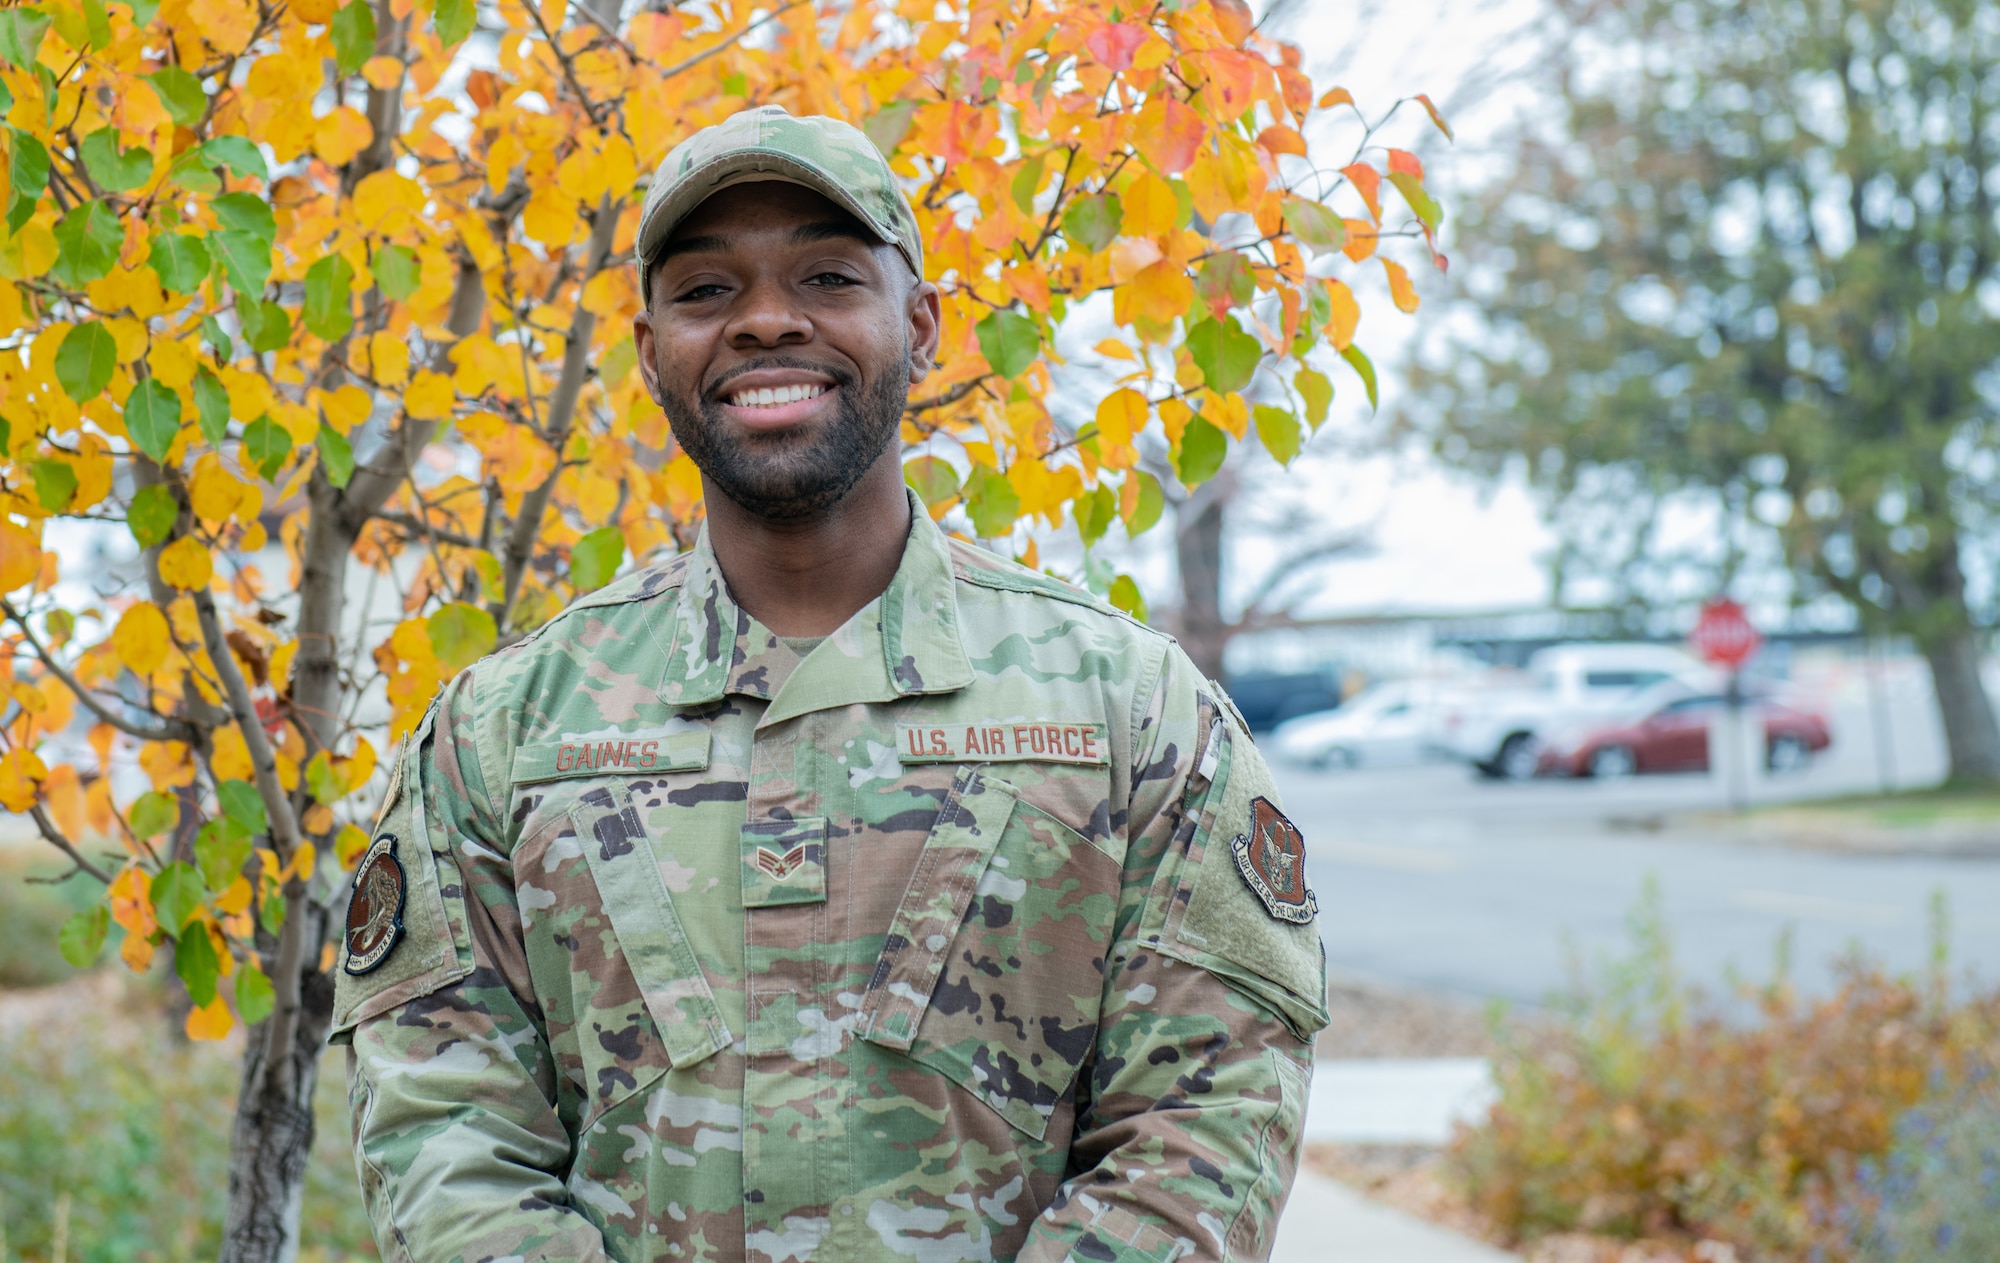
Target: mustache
[{"x": 714, "y": 390}]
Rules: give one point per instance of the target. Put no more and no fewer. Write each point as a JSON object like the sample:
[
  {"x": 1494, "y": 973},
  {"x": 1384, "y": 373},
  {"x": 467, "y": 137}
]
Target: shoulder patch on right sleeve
[{"x": 403, "y": 911}]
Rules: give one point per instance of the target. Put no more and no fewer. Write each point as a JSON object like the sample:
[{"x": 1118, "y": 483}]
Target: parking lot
[{"x": 1430, "y": 876}]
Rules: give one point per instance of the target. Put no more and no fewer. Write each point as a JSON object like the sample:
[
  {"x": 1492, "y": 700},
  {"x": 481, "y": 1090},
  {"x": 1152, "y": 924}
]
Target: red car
[{"x": 1674, "y": 738}]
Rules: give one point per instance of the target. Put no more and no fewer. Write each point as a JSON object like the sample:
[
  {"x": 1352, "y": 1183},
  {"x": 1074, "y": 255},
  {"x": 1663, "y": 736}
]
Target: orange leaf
[
  {"x": 1345, "y": 317},
  {"x": 1400, "y": 288},
  {"x": 428, "y": 396},
  {"x": 1121, "y": 415},
  {"x": 1278, "y": 138},
  {"x": 1150, "y": 207},
  {"x": 341, "y": 135},
  {"x": 1114, "y": 43},
  {"x": 1360, "y": 239},
  {"x": 1233, "y": 80},
  {"x": 1336, "y": 96},
  {"x": 1168, "y": 134},
  {"x": 210, "y": 1021},
  {"x": 1403, "y": 162},
  {"x": 1367, "y": 182},
  {"x": 1436, "y": 117},
  {"x": 140, "y": 640},
  {"x": 1233, "y": 19},
  {"x": 20, "y": 555}
]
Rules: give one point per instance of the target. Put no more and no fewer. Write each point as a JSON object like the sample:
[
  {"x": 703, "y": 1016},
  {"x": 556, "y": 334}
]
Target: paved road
[{"x": 1427, "y": 876}]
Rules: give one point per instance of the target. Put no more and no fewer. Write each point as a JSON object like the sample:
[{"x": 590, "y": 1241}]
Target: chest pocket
[{"x": 992, "y": 972}]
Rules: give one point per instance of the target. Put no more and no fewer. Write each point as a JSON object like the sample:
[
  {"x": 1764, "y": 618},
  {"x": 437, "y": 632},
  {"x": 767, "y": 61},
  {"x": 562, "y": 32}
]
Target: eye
[
  {"x": 698, "y": 293},
  {"x": 832, "y": 280}
]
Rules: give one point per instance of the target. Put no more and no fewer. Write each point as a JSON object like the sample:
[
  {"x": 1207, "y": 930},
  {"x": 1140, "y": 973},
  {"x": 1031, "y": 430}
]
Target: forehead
[{"x": 761, "y": 206}]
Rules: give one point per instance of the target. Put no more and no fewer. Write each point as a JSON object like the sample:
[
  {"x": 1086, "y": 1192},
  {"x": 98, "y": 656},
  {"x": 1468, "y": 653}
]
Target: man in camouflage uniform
[{"x": 836, "y": 891}]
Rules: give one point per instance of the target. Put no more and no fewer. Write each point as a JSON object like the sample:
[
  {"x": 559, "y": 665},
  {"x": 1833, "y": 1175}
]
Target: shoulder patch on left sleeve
[{"x": 1251, "y": 916}]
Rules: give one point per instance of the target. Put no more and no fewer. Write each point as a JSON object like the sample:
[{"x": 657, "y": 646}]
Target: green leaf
[
  {"x": 181, "y": 93},
  {"x": 246, "y": 212},
  {"x": 1151, "y": 503},
  {"x": 246, "y": 260},
  {"x": 154, "y": 813},
  {"x": 55, "y": 484},
  {"x": 215, "y": 335},
  {"x": 397, "y": 272},
  {"x": 1316, "y": 227},
  {"x": 889, "y": 125},
  {"x": 151, "y": 519},
  {"x": 1203, "y": 448},
  {"x": 324, "y": 786},
  {"x": 618, "y": 361},
  {"x": 181, "y": 260},
  {"x": 1278, "y": 430},
  {"x": 455, "y": 20},
  {"x": 85, "y": 359},
  {"x": 255, "y": 1000},
  {"x": 211, "y": 407},
  {"x": 1317, "y": 391},
  {"x": 87, "y": 242},
  {"x": 239, "y": 154},
  {"x": 1226, "y": 356},
  {"x": 196, "y": 963},
  {"x": 21, "y": 32},
  {"x": 28, "y": 175},
  {"x": 153, "y": 417},
  {"x": 177, "y": 891},
  {"x": 243, "y": 804},
  {"x": 195, "y": 173},
  {"x": 115, "y": 170},
  {"x": 1125, "y": 596},
  {"x": 329, "y": 309},
  {"x": 595, "y": 558},
  {"x": 266, "y": 326},
  {"x": 1094, "y": 512},
  {"x": 1225, "y": 280},
  {"x": 266, "y": 445},
  {"x": 461, "y": 634},
  {"x": 991, "y": 502},
  {"x": 1093, "y": 222},
  {"x": 934, "y": 480},
  {"x": 336, "y": 456},
  {"x": 1027, "y": 183},
  {"x": 1009, "y": 341},
  {"x": 1366, "y": 368},
  {"x": 353, "y": 32},
  {"x": 82, "y": 936},
  {"x": 1418, "y": 197},
  {"x": 221, "y": 849}
]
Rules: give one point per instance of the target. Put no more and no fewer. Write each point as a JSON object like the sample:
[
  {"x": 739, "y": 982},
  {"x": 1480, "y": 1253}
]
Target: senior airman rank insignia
[
  {"x": 1272, "y": 859},
  {"x": 375, "y": 909}
]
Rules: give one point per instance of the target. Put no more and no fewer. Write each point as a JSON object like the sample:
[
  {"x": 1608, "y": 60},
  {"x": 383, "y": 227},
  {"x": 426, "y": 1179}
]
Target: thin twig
[
  {"x": 62, "y": 843},
  {"x": 169, "y": 729}
]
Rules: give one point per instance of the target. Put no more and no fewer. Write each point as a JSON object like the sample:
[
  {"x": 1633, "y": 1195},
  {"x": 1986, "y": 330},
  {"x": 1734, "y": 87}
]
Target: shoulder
[{"x": 995, "y": 581}]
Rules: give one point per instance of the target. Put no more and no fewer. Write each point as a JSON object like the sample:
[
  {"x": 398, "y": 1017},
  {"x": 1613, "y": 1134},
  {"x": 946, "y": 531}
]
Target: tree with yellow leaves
[{"x": 306, "y": 296}]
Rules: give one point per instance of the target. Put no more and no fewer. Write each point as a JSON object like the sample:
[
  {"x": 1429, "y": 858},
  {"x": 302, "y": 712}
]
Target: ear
[
  {"x": 926, "y": 316},
  {"x": 643, "y": 341}
]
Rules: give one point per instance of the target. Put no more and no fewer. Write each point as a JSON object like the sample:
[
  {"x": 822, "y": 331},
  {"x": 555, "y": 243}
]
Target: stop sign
[{"x": 1723, "y": 635}]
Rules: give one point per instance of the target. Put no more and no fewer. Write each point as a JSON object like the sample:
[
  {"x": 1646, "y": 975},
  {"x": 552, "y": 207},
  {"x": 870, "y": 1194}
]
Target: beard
[{"x": 792, "y": 476}]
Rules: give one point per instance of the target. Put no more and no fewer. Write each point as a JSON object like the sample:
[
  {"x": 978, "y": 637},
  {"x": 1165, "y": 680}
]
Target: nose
[{"x": 767, "y": 316}]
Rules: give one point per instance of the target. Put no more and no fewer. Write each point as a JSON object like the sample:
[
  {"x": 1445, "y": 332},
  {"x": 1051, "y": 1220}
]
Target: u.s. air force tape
[{"x": 1003, "y": 741}]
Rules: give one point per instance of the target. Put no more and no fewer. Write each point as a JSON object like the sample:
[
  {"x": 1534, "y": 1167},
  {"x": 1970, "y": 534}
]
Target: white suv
[{"x": 1499, "y": 730}]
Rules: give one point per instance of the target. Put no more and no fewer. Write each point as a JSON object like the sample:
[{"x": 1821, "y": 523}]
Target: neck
[{"x": 806, "y": 578}]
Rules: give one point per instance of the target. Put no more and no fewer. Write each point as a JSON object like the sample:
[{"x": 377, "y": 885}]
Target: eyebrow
[{"x": 803, "y": 235}]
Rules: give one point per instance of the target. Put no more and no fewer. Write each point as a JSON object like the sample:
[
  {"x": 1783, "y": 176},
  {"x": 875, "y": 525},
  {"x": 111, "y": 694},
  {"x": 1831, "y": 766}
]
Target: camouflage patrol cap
[{"x": 830, "y": 157}]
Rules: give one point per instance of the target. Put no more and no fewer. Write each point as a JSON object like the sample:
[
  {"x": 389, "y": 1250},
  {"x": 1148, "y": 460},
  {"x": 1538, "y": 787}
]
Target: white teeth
[{"x": 775, "y": 396}]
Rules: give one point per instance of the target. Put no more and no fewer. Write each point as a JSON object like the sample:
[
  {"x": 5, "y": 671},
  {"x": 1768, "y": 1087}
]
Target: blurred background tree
[
  {"x": 1752, "y": 254},
  {"x": 321, "y": 384}
]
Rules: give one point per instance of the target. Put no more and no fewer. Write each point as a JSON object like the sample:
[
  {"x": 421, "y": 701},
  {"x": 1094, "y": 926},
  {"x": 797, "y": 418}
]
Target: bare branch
[
  {"x": 707, "y": 53},
  {"x": 168, "y": 729},
  {"x": 57, "y": 839}
]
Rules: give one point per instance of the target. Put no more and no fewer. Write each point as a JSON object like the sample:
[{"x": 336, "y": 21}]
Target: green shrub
[
  {"x": 133, "y": 1126},
  {"x": 31, "y": 913}
]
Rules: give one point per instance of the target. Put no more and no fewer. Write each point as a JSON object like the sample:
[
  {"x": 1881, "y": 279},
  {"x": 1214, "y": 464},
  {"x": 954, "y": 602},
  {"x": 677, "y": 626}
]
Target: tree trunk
[
  {"x": 1970, "y": 732},
  {"x": 273, "y": 1134},
  {"x": 1202, "y": 630}
]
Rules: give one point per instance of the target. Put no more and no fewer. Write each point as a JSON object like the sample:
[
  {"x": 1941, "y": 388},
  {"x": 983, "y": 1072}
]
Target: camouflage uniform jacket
[{"x": 931, "y": 944}]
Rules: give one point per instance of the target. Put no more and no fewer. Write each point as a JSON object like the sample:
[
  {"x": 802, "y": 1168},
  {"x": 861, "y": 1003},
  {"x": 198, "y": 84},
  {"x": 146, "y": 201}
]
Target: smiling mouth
[{"x": 775, "y": 396}]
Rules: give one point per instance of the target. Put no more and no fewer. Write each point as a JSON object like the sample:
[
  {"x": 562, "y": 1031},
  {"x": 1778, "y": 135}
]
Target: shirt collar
[{"x": 904, "y": 643}]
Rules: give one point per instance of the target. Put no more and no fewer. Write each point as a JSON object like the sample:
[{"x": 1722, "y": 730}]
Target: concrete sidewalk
[
  {"x": 1382, "y": 1101},
  {"x": 1327, "y": 1222}
]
